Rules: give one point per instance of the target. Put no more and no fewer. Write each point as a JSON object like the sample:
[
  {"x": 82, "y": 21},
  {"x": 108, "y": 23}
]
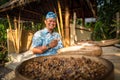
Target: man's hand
[
  {"x": 53, "y": 43},
  {"x": 42, "y": 49},
  {"x": 39, "y": 49}
]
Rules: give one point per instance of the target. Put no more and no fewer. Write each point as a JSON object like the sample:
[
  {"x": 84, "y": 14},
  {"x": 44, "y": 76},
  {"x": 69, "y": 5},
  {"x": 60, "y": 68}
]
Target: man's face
[{"x": 50, "y": 23}]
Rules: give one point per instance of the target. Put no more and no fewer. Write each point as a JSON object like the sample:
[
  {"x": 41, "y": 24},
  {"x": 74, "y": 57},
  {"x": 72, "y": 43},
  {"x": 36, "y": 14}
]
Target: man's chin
[{"x": 51, "y": 28}]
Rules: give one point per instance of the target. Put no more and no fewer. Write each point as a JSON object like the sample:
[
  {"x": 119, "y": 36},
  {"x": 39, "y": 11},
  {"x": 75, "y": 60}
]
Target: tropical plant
[
  {"x": 117, "y": 28},
  {"x": 103, "y": 32},
  {"x": 32, "y": 26},
  {"x": 3, "y": 41},
  {"x": 104, "y": 28}
]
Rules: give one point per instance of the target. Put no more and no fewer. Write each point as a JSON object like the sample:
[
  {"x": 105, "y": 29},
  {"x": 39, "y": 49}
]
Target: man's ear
[{"x": 45, "y": 21}]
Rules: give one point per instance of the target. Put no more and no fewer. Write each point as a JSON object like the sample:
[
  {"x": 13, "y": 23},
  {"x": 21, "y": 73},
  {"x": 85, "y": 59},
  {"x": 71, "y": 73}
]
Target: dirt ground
[{"x": 111, "y": 53}]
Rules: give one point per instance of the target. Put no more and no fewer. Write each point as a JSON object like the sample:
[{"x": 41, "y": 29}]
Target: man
[{"x": 46, "y": 41}]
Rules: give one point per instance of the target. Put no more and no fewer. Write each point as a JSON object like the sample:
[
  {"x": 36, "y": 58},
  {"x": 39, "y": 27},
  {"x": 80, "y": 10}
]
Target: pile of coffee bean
[{"x": 62, "y": 68}]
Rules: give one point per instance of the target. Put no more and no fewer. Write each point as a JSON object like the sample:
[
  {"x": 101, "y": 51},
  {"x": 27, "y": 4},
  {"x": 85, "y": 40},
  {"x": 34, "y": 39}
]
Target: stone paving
[
  {"x": 113, "y": 54},
  {"x": 110, "y": 52}
]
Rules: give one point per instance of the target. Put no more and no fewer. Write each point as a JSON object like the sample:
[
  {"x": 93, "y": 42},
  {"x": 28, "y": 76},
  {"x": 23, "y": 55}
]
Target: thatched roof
[{"x": 35, "y": 9}]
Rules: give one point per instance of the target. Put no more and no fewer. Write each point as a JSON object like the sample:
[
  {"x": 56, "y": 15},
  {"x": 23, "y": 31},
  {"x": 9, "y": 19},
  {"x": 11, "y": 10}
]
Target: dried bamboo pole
[
  {"x": 11, "y": 33},
  {"x": 15, "y": 34},
  {"x": 74, "y": 25},
  {"x": 10, "y": 27},
  {"x": 67, "y": 28},
  {"x": 16, "y": 40},
  {"x": 18, "y": 37},
  {"x": 72, "y": 30},
  {"x": 61, "y": 22},
  {"x": 58, "y": 25},
  {"x": 15, "y": 23}
]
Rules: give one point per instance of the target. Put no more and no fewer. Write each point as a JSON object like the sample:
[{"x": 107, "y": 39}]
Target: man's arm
[
  {"x": 42, "y": 49},
  {"x": 39, "y": 50}
]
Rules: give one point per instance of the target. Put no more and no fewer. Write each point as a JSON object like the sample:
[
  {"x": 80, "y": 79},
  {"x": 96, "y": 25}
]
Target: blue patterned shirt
[{"x": 43, "y": 38}]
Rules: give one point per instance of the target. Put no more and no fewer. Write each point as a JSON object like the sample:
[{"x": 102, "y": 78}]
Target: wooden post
[
  {"x": 67, "y": 24},
  {"x": 91, "y": 7},
  {"x": 61, "y": 22},
  {"x": 72, "y": 30}
]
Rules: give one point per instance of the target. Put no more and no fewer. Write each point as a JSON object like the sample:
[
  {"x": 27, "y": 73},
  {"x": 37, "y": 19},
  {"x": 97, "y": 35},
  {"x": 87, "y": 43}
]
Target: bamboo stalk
[
  {"x": 8, "y": 44},
  {"x": 15, "y": 23},
  {"x": 67, "y": 30},
  {"x": 73, "y": 33},
  {"x": 74, "y": 25},
  {"x": 61, "y": 22},
  {"x": 19, "y": 33},
  {"x": 20, "y": 36},
  {"x": 10, "y": 29},
  {"x": 58, "y": 25},
  {"x": 15, "y": 41}
]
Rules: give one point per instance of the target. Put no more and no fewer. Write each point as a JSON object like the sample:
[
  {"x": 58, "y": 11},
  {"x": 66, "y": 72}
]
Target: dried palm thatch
[{"x": 83, "y": 8}]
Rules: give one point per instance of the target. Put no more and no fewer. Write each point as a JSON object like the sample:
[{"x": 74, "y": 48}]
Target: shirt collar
[{"x": 46, "y": 30}]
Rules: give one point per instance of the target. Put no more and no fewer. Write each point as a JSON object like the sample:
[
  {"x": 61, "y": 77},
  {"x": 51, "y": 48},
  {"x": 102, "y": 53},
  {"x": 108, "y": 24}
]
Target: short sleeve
[{"x": 36, "y": 40}]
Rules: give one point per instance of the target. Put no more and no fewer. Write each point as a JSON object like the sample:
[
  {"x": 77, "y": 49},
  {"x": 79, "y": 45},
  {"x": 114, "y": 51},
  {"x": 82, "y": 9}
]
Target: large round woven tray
[
  {"x": 101, "y": 43},
  {"x": 108, "y": 76},
  {"x": 83, "y": 48},
  {"x": 107, "y": 42}
]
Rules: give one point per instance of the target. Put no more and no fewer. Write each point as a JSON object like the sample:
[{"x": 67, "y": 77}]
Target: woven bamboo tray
[
  {"x": 108, "y": 76},
  {"x": 101, "y": 43},
  {"x": 82, "y": 49},
  {"x": 107, "y": 42}
]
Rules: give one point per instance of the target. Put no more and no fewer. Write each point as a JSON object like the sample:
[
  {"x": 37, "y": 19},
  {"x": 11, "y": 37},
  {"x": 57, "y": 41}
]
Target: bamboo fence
[{"x": 17, "y": 42}]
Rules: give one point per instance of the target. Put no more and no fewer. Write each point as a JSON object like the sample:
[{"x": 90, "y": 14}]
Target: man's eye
[{"x": 51, "y": 21}]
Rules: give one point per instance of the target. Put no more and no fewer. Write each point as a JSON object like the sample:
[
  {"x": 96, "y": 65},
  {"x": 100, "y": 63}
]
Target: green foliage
[
  {"x": 107, "y": 9},
  {"x": 3, "y": 1},
  {"x": 3, "y": 33},
  {"x": 79, "y": 21},
  {"x": 116, "y": 25},
  {"x": 4, "y": 56},
  {"x": 3, "y": 40},
  {"x": 90, "y": 25},
  {"x": 32, "y": 26},
  {"x": 103, "y": 32},
  {"x": 104, "y": 28}
]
